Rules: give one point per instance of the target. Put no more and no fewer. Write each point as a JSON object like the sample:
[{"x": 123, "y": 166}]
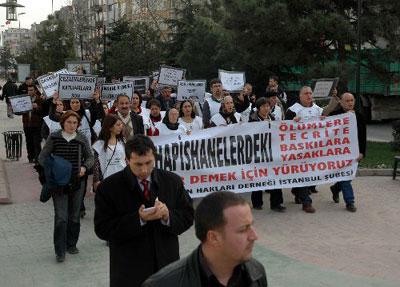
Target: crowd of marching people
[{"x": 90, "y": 136}]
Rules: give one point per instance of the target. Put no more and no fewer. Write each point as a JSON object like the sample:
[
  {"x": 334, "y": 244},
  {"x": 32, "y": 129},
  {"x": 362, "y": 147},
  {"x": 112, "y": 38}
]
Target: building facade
[{"x": 17, "y": 40}]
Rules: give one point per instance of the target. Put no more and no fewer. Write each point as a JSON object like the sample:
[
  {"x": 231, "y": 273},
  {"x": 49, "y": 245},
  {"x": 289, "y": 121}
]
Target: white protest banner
[
  {"x": 232, "y": 81},
  {"x": 76, "y": 86},
  {"x": 262, "y": 155},
  {"x": 110, "y": 92},
  {"x": 191, "y": 90},
  {"x": 169, "y": 76},
  {"x": 21, "y": 104},
  {"x": 140, "y": 84},
  {"x": 49, "y": 82},
  {"x": 322, "y": 88}
]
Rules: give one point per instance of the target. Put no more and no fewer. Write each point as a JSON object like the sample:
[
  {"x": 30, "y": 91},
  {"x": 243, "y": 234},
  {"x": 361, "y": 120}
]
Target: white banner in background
[{"x": 262, "y": 155}]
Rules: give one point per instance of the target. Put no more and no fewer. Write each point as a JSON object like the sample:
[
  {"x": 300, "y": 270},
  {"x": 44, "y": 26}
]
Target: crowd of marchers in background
[{"x": 91, "y": 137}]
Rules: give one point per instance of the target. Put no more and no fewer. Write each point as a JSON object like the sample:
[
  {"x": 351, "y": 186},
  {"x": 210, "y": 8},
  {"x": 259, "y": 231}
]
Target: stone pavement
[{"x": 330, "y": 248}]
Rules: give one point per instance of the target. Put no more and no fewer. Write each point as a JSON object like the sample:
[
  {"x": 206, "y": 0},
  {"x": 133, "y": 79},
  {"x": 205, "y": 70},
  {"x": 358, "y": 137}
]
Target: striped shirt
[{"x": 69, "y": 151}]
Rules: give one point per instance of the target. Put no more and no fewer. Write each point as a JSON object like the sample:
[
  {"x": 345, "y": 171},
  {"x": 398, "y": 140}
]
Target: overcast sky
[{"x": 36, "y": 11}]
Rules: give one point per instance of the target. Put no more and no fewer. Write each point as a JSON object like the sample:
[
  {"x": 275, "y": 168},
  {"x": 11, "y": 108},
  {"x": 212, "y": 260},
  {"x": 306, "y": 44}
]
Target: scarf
[{"x": 229, "y": 117}]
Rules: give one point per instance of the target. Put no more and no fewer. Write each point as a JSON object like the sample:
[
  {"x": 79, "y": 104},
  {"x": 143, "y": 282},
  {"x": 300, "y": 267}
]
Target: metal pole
[
  {"x": 81, "y": 43},
  {"x": 358, "y": 76},
  {"x": 104, "y": 49}
]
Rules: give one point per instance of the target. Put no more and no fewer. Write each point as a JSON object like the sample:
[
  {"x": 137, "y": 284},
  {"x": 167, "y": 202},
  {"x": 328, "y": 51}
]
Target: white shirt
[
  {"x": 52, "y": 125},
  {"x": 164, "y": 130},
  {"x": 219, "y": 120},
  {"x": 306, "y": 112},
  {"x": 112, "y": 159},
  {"x": 196, "y": 124},
  {"x": 277, "y": 113}
]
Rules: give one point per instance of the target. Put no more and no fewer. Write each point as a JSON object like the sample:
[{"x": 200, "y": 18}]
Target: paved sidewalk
[{"x": 330, "y": 248}]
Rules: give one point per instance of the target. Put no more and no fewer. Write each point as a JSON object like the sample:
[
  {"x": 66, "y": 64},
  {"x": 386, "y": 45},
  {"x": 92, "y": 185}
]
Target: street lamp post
[
  {"x": 19, "y": 21},
  {"x": 11, "y": 9},
  {"x": 20, "y": 32},
  {"x": 358, "y": 75}
]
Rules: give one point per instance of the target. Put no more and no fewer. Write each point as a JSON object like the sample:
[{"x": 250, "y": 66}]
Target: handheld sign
[
  {"x": 21, "y": 104},
  {"x": 170, "y": 76},
  {"x": 110, "y": 92},
  {"x": 322, "y": 88},
  {"x": 191, "y": 90},
  {"x": 140, "y": 84},
  {"x": 155, "y": 74},
  {"x": 79, "y": 66},
  {"x": 49, "y": 82},
  {"x": 232, "y": 81},
  {"x": 100, "y": 81},
  {"x": 76, "y": 86}
]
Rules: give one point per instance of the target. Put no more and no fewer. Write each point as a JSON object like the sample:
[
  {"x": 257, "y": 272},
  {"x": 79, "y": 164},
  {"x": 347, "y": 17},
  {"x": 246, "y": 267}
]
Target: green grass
[{"x": 379, "y": 155}]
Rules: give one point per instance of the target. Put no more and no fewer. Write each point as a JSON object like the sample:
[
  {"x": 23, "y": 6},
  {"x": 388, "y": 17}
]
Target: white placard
[
  {"x": 170, "y": 76},
  {"x": 110, "y": 92},
  {"x": 76, "y": 66},
  {"x": 232, "y": 81},
  {"x": 322, "y": 88},
  {"x": 140, "y": 84},
  {"x": 191, "y": 90},
  {"x": 49, "y": 82},
  {"x": 100, "y": 81},
  {"x": 76, "y": 86},
  {"x": 21, "y": 104}
]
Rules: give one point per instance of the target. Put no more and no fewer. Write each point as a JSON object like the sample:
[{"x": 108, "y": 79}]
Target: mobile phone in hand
[{"x": 148, "y": 209}]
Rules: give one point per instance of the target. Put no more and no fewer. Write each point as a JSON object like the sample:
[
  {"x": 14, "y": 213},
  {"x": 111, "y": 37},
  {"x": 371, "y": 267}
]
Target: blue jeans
[
  {"x": 347, "y": 189},
  {"x": 66, "y": 218}
]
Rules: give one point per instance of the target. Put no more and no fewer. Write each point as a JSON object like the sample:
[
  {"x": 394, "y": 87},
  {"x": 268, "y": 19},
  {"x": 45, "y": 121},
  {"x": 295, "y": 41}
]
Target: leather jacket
[{"x": 186, "y": 272}]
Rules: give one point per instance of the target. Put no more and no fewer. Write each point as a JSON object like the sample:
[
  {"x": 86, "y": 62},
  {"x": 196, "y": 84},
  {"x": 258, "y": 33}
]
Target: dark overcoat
[{"x": 138, "y": 251}]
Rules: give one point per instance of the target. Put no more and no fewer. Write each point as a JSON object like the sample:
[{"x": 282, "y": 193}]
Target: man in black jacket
[
  {"x": 347, "y": 103},
  {"x": 10, "y": 89},
  {"x": 141, "y": 211},
  {"x": 23, "y": 88},
  {"x": 224, "y": 225},
  {"x": 133, "y": 123}
]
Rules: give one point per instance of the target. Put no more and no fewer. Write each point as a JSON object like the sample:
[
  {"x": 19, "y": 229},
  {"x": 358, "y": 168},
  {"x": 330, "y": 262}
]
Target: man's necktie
[{"x": 146, "y": 191}]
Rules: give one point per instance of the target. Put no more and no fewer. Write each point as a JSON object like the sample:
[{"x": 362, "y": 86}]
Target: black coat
[
  {"x": 137, "y": 251},
  {"x": 186, "y": 272},
  {"x": 361, "y": 130}
]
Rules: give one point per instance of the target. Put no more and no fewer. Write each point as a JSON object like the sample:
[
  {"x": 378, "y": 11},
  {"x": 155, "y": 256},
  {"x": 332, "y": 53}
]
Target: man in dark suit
[{"x": 141, "y": 211}]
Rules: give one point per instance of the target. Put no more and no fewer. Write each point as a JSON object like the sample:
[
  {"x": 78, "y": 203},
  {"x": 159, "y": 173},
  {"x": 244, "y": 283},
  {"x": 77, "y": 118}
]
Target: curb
[
  {"x": 3, "y": 173},
  {"x": 375, "y": 172}
]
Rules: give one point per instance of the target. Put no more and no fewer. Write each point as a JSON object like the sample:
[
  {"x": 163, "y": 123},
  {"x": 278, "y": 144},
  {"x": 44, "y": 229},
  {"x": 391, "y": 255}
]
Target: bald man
[
  {"x": 347, "y": 103},
  {"x": 304, "y": 109}
]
